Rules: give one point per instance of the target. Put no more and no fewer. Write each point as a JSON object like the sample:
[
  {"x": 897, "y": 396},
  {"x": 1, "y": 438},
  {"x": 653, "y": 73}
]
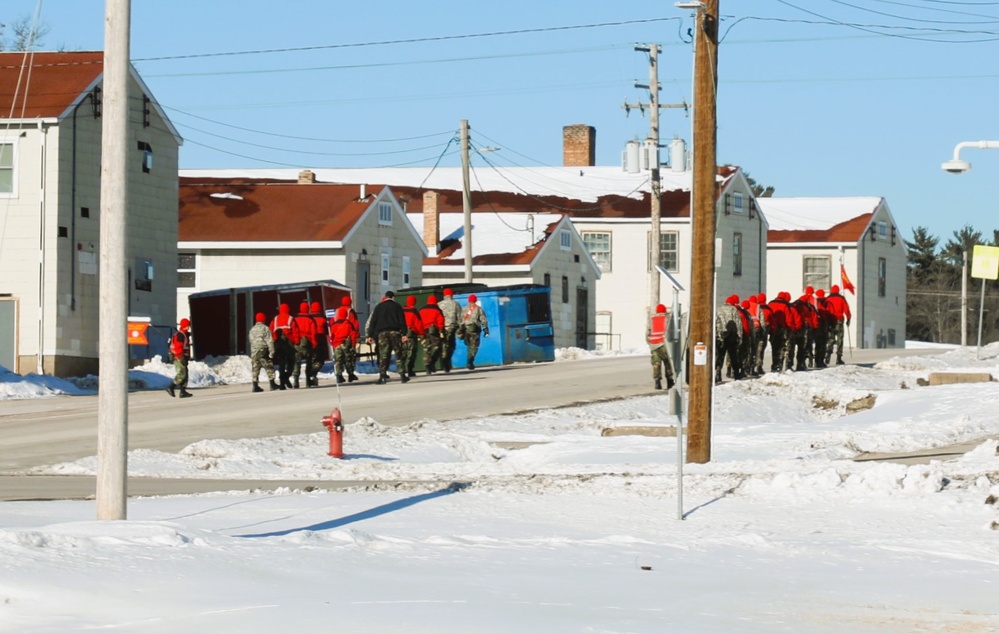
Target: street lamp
[{"x": 956, "y": 165}]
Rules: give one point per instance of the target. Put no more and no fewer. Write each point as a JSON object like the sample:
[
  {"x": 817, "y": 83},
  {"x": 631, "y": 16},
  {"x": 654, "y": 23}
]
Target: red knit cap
[{"x": 448, "y": 292}]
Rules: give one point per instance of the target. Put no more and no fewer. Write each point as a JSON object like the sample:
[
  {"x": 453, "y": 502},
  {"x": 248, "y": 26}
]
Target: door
[
  {"x": 582, "y": 317},
  {"x": 8, "y": 334}
]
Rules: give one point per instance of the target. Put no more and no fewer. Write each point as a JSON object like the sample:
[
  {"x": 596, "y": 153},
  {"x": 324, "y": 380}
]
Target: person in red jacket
[
  {"x": 655, "y": 334},
  {"x": 433, "y": 326},
  {"x": 820, "y": 338},
  {"x": 767, "y": 320},
  {"x": 285, "y": 331},
  {"x": 320, "y": 352},
  {"x": 414, "y": 333},
  {"x": 180, "y": 351},
  {"x": 304, "y": 346},
  {"x": 786, "y": 320},
  {"x": 839, "y": 311},
  {"x": 346, "y": 302},
  {"x": 804, "y": 355},
  {"x": 343, "y": 341}
]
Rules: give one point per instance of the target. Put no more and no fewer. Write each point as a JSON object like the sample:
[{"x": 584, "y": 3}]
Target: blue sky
[{"x": 815, "y": 97}]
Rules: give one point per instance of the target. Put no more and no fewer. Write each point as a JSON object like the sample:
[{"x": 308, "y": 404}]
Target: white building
[
  {"x": 821, "y": 242},
  {"x": 50, "y": 183}
]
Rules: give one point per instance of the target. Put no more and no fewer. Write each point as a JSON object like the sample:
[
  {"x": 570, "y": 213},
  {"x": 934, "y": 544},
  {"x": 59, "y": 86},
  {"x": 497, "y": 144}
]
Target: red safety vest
[{"x": 657, "y": 331}]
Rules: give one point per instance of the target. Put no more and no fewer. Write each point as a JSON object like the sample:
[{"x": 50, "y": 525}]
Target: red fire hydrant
[{"x": 334, "y": 422}]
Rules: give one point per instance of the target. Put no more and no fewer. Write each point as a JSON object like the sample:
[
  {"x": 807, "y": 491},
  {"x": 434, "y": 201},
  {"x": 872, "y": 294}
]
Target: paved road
[{"x": 38, "y": 432}]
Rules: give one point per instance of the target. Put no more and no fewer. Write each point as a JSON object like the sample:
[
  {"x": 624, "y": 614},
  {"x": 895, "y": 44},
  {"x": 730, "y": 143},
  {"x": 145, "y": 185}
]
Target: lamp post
[{"x": 958, "y": 166}]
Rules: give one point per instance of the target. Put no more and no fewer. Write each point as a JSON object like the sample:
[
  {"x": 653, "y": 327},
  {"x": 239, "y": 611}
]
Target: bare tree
[{"x": 22, "y": 35}]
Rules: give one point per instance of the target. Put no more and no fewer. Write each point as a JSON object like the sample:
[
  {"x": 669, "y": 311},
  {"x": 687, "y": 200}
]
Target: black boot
[
  {"x": 295, "y": 379},
  {"x": 339, "y": 378},
  {"x": 256, "y": 387},
  {"x": 670, "y": 383},
  {"x": 184, "y": 393},
  {"x": 403, "y": 377},
  {"x": 351, "y": 377},
  {"x": 382, "y": 379},
  {"x": 274, "y": 385},
  {"x": 170, "y": 389},
  {"x": 659, "y": 384}
]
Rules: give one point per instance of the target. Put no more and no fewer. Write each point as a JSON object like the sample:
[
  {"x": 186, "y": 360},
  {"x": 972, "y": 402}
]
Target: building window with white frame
[
  {"x": 406, "y": 269},
  {"x": 384, "y": 213},
  {"x": 882, "y": 230},
  {"x": 187, "y": 270},
  {"x": 817, "y": 271},
  {"x": 386, "y": 260},
  {"x": 669, "y": 251},
  {"x": 598, "y": 243},
  {"x": 7, "y": 171},
  {"x": 737, "y": 203},
  {"x": 565, "y": 240},
  {"x": 737, "y": 254}
]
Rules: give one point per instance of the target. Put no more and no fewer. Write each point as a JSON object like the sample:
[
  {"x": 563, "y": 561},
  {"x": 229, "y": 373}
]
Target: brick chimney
[
  {"x": 579, "y": 145},
  {"x": 431, "y": 221},
  {"x": 306, "y": 176}
]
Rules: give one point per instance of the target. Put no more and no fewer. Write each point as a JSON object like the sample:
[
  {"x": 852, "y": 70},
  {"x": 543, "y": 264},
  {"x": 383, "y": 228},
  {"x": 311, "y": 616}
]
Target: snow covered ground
[{"x": 539, "y": 523}]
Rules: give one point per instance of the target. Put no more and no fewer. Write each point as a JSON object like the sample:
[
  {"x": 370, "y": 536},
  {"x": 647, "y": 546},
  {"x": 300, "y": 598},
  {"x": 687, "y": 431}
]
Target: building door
[
  {"x": 582, "y": 317},
  {"x": 8, "y": 334}
]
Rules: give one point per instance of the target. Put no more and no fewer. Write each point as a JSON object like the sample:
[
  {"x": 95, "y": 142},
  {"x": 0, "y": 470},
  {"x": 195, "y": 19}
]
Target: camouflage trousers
[
  {"x": 472, "y": 338},
  {"x": 728, "y": 346},
  {"x": 820, "y": 340},
  {"x": 836, "y": 341},
  {"x": 303, "y": 354},
  {"x": 390, "y": 341},
  {"x": 261, "y": 359},
  {"x": 431, "y": 350},
  {"x": 761, "y": 348},
  {"x": 180, "y": 368},
  {"x": 409, "y": 347},
  {"x": 448, "y": 342},
  {"x": 343, "y": 358},
  {"x": 318, "y": 356},
  {"x": 660, "y": 360},
  {"x": 778, "y": 351}
]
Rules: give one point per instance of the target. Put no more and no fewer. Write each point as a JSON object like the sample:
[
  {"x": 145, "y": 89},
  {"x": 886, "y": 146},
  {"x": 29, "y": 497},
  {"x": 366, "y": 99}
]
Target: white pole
[
  {"x": 964, "y": 301},
  {"x": 112, "y": 402},
  {"x": 677, "y": 350},
  {"x": 981, "y": 315},
  {"x": 466, "y": 201}
]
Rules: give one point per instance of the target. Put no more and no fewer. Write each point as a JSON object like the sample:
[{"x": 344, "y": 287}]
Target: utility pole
[
  {"x": 703, "y": 222},
  {"x": 964, "y": 300},
  {"x": 112, "y": 399},
  {"x": 655, "y": 182},
  {"x": 466, "y": 201}
]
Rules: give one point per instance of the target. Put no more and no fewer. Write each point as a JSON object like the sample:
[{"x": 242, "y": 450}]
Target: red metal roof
[
  {"x": 37, "y": 85},
  {"x": 848, "y": 231},
  {"x": 268, "y": 211}
]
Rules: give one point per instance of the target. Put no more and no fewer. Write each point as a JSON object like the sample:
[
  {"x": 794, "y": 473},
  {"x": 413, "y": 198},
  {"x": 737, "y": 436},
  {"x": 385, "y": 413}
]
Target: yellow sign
[{"x": 985, "y": 262}]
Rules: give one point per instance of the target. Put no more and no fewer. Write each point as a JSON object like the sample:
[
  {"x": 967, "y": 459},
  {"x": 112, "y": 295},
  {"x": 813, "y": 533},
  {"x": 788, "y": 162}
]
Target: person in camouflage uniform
[
  {"x": 180, "y": 354},
  {"x": 414, "y": 333},
  {"x": 387, "y": 326},
  {"x": 655, "y": 334},
  {"x": 320, "y": 351},
  {"x": 304, "y": 346},
  {"x": 473, "y": 324},
  {"x": 728, "y": 338},
  {"x": 346, "y": 302},
  {"x": 839, "y": 311},
  {"x": 452, "y": 321},
  {"x": 285, "y": 331},
  {"x": 261, "y": 351},
  {"x": 343, "y": 340},
  {"x": 433, "y": 325}
]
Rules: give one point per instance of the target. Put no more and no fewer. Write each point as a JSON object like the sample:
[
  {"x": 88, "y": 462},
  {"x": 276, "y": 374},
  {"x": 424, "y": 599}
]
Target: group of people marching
[
  {"x": 803, "y": 333},
  {"x": 289, "y": 343}
]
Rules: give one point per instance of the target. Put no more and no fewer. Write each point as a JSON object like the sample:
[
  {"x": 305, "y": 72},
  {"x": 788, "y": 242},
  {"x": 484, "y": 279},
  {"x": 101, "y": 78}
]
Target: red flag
[{"x": 847, "y": 285}]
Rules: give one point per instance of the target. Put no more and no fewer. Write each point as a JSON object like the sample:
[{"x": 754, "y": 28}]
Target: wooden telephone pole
[{"x": 702, "y": 287}]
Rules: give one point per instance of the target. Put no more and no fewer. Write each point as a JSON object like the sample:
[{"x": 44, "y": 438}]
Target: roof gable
[
  {"x": 235, "y": 210},
  {"x": 45, "y": 85}
]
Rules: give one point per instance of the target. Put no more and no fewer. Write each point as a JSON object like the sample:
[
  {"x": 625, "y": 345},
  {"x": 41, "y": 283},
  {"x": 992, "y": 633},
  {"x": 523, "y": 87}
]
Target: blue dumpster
[{"x": 520, "y": 326}]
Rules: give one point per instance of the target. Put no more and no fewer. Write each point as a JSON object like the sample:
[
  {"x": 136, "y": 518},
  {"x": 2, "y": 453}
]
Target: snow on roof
[
  {"x": 579, "y": 183},
  {"x": 492, "y": 233},
  {"x": 790, "y": 214}
]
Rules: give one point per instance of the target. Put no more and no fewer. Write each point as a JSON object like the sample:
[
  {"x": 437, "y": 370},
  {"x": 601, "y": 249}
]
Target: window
[
  {"x": 548, "y": 280},
  {"x": 818, "y": 271},
  {"x": 565, "y": 289},
  {"x": 882, "y": 276},
  {"x": 883, "y": 230},
  {"x": 384, "y": 213},
  {"x": 599, "y": 246},
  {"x": 187, "y": 270},
  {"x": 405, "y": 270},
  {"x": 565, "y": 239},
  {"x": 7, "y": 169},
  {"x": 147, "y": 156},
  {"x": 737, "y": 202},
  {"x": 737, "y": 254},
  {"x": 669, "y": 253},
  {"x": 385, "y": 268}
]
